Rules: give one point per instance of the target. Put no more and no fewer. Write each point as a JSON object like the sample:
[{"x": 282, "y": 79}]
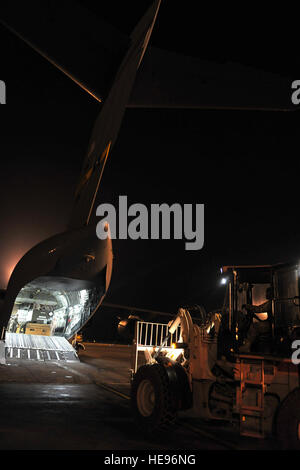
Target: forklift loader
[{"x": 234, "y": 365}]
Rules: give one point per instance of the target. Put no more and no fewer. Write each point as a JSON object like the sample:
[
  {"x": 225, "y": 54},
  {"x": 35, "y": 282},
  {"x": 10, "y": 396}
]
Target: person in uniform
[{"x": 259, "y": 335}]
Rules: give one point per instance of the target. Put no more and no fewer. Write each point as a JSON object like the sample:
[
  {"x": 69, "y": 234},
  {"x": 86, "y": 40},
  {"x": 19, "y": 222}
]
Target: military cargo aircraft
[{"x": 60, "y": 283}]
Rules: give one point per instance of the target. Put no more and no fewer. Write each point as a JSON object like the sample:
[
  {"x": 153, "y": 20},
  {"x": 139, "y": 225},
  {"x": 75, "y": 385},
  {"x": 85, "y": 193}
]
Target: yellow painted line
[
  {"x": 99, "y": 384},
  {"x": 184, "y": 425},
  {"x": 205, "y": 434},
  {"x": 112, "y": 390},
  {"x": 117, "y": 383}
]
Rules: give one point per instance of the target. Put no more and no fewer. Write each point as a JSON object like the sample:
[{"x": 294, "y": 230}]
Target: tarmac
[{"x": 85, "y": 405}]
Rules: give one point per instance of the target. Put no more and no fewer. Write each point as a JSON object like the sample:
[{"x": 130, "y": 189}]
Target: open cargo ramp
[{"x": 38, "y": 348}]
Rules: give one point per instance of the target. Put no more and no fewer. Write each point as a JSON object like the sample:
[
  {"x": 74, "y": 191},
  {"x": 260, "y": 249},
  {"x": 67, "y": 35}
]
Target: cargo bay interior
[{"x": 56, "y": 308}]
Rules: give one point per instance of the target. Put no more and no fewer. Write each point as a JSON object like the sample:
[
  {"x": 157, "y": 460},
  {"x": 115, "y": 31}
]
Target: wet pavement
[{"x": 70, "y": 406}]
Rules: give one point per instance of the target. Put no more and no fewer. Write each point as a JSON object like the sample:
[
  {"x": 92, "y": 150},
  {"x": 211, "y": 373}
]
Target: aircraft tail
[{"x": 108, "y": 123}]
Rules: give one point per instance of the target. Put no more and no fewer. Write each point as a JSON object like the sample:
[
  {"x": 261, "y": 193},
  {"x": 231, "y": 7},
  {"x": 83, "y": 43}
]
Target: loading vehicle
[{"x": 236, "y": 364}]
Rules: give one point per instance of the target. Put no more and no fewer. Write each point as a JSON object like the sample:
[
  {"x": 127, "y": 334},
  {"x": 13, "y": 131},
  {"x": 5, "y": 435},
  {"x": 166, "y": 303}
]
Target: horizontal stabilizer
[
  {"x": 170, "y": 80},
  {"x": 85, "y": 48},
  {"x": 89, "y": 51}
]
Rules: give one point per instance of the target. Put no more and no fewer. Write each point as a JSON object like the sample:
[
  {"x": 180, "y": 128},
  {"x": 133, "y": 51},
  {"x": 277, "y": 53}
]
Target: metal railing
[{"x": 150, "y": 335}]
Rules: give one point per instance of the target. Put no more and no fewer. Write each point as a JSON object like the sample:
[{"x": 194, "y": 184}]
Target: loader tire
[
  {"x": 153, "y": 401},
  {"x": 288, "y": 421}
]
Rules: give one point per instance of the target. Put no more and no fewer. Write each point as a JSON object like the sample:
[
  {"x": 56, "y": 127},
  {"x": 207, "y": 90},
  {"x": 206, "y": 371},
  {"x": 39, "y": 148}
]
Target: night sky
[{"x": 243, "y": 166}]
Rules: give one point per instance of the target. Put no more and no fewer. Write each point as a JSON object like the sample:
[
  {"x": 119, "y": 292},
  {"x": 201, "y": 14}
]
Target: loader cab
[
  {"x": 286, "y": 282},
  {"x": 272, "y": 292}
]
